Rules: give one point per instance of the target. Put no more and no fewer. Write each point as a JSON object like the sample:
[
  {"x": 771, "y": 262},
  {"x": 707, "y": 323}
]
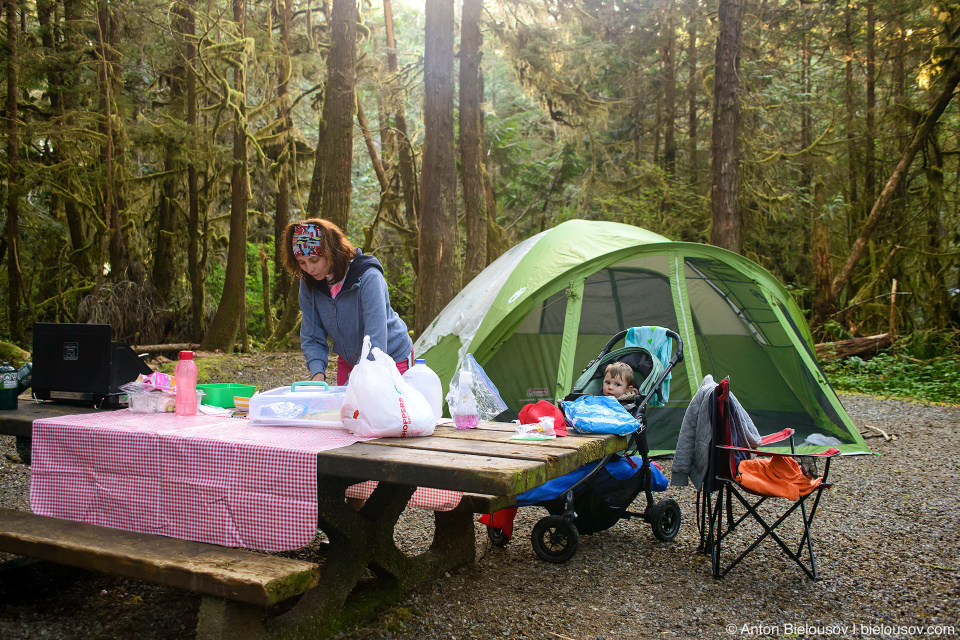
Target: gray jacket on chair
[{"x": 692, "y": 456}]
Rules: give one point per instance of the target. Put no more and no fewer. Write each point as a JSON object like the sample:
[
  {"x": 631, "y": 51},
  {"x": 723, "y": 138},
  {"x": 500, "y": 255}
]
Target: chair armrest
[
  {"x": 776, "y": 437},
  {"x": 829, "y": 453}
]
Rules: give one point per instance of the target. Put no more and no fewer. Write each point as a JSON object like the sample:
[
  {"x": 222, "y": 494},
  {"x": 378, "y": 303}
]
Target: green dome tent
[{"x": 537, "y": 315}]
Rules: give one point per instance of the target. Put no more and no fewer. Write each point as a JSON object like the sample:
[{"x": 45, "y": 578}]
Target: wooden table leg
[{"x": 364, "y": 539}]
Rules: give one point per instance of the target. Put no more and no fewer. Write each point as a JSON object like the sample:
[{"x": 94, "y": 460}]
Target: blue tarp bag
[{"x": 599, "y": 414}]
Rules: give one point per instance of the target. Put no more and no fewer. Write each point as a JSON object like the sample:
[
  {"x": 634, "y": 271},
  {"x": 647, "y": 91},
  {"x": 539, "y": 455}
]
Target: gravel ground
[{"x": 886, "y": 540}]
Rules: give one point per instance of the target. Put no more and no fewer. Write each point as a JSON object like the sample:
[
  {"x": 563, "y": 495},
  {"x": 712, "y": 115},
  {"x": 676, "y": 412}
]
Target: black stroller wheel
[
  {"x": 497, "y": 537},
  {"x": 555, "y": 539},
  {"x": 665, "y": 520}
]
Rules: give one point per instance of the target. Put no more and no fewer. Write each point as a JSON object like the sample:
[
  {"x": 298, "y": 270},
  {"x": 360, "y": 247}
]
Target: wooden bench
[{"x": 236, "y": 585}]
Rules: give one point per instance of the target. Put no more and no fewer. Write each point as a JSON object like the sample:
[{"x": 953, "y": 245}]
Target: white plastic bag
[{"x": 380, "y": 403}]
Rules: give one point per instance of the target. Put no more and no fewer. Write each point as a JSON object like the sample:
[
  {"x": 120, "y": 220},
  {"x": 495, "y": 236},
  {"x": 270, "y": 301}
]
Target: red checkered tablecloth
[{"x": 204, "y": 478}]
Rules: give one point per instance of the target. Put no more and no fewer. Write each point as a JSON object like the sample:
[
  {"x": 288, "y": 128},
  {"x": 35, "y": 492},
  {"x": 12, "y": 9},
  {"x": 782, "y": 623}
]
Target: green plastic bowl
[{"x": 221, "y": 394}]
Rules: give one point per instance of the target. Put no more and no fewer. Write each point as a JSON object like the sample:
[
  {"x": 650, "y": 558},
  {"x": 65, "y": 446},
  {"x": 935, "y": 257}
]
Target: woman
[{"x": 343, "y": 296}]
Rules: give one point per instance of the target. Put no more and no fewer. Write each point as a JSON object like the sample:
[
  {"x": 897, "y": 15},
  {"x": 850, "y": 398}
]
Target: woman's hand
[{"x": 320, "y": 376}]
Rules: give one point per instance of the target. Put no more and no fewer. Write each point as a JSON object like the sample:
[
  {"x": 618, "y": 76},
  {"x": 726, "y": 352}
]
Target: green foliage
[{"x": 923, "y": 365}]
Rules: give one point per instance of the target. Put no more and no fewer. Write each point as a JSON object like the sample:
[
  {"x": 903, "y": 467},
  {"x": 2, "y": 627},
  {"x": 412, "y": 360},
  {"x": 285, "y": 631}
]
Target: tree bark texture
[
  {"x": 870, "y": 143},
  {"x": 163, "y": 272},
  {"x": 195, "y": 264},
  {"x": 726, "y": 220},
  {"x": 439, "y": 273},
  {"x": 669, "y": 92},
  {"x": 921, "y": 133},
  {"x": 471, "y": 160},
  {"x": 848, "y": 100},
  {"x": 13, "y": 174},
  {"x": 405, "y": 165},
  {"x": 287, "y": 151},
  {"x": 223, "y": 328},
  {"x": 692, "y": 89},
  {"x": 339, "y": 105}
]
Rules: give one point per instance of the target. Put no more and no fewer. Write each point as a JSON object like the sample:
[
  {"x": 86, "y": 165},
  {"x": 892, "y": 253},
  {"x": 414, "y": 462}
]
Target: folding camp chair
[{"x": 723, "y": 478}]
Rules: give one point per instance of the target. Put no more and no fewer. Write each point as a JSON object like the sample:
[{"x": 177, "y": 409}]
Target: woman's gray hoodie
[{"x": 362, "y": 307}]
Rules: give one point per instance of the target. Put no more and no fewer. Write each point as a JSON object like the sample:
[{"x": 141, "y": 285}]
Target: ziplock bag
[
  {"x": 599, "y": 414},
  {"x": 488, "y": 400},
  {"x": 380, "y": 403}
]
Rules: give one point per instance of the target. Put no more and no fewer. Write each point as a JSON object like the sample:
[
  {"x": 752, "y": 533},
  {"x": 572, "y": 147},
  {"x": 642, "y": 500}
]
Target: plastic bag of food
[{"x": 380, "y": 403}]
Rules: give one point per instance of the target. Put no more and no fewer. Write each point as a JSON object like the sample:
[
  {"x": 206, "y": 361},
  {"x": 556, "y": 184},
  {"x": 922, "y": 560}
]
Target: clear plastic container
[
  {"x": 423, "y": 379},
  {"x": 186, "y": 376},
  {"x": 303, "y": 404}
]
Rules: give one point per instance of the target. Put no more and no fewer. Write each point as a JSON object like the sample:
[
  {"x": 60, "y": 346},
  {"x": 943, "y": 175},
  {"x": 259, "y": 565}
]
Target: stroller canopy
[{"x": 543, "y": 310}]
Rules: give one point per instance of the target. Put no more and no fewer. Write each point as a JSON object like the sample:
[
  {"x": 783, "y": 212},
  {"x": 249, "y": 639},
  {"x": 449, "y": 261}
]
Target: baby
[{"x": 618, "y": 382}]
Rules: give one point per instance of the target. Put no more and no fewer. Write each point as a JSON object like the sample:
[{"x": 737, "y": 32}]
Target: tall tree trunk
[
  {"x": 285, "y": 161},
  {"x": 851, "y": 136},
  {"x": 439, "y": 274},
  {"x": 922, "y": 131},
  {"x": 726, "y": 224},
  {"x": 822, "y": 267},
  {"x": 14, "y": 277},
  {"x": 163, "y": 271},
  {"x": 223, "y": 327},
  {"x": 405, "y": 163},
  {"x": 870, "y": 139},
  {"x": 474, "y": 204},
  {"x": 496, "y": 236},
  {"x": 338, "y": 110},
  {"x": 187, "y": 26},
  {"x": 669, "y": 93},
  {"x": 692, "y": 17},
  {"x": 810, "y": 213}
]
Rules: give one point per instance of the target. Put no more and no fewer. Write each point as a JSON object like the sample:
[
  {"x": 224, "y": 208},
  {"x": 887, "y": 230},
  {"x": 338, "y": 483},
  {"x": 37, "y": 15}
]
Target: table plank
[
  {"x": 19, "y": 422},
  {"x": 561, "y": 458},
  {"x": 590, "y": 447},
  {"x": 437, "y": 469}
]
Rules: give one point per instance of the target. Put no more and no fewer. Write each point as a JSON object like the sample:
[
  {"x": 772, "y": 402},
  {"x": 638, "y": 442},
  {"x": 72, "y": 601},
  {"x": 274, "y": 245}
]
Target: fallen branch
[
  {"x": 843, "y": 349},
  {"x": 879, "y": 433},
  {"x": 166, "y": 348}
]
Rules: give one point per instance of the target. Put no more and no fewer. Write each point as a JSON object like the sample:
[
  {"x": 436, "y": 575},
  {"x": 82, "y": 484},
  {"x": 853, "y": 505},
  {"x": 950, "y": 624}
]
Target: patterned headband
[{"x": 306, "y": 240}]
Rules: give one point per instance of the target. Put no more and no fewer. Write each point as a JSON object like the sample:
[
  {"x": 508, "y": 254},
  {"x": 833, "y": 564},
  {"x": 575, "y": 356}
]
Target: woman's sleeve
[
  {"x": 313, "y": 337},
  {"x": 375, "y": 308}
]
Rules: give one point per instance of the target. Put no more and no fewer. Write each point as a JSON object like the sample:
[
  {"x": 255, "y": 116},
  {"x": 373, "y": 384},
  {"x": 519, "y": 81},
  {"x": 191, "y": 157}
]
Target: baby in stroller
[
  {"x": 596, "y": 496},
  {"x": 618, "y": 382}
]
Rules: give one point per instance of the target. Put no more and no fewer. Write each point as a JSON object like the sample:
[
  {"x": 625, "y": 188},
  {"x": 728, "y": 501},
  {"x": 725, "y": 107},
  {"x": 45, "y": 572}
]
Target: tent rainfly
[{"x": 543, "y": 310}]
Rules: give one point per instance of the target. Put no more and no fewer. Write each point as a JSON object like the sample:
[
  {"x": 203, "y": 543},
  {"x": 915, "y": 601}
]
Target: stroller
[{"x": 596, "y": 496}]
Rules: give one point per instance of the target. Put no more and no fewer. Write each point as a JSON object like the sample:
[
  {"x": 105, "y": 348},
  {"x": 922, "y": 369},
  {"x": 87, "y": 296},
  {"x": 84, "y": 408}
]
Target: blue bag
[{"x": 599, "y": 414}]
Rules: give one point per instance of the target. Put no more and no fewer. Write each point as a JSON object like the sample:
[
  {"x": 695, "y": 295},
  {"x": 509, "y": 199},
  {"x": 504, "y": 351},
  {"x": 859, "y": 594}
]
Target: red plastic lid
[{"x": 186, "y": 355}]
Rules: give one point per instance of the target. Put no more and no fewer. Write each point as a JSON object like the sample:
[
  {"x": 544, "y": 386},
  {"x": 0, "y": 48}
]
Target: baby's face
[{"x": 614, "y": 386}]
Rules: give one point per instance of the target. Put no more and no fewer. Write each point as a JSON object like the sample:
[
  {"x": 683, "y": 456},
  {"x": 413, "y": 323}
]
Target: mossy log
[
  {"x": 843, "y": 349},
  {"x": 13, "y": 354}
]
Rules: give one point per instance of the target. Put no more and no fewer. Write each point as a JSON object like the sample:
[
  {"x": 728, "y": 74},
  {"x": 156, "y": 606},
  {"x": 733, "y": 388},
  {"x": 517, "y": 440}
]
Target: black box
[{"x": 79, "y": 363}]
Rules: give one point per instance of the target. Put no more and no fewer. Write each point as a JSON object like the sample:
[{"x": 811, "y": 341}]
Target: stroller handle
[{"x": 678, "y": 356}]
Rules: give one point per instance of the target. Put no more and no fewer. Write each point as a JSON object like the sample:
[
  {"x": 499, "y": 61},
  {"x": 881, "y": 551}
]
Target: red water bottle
[{"x": 186, "y": 376}]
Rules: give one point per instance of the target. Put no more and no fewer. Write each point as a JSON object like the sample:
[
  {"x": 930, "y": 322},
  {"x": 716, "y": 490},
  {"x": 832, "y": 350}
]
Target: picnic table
[{"x": 484, "y": 464}]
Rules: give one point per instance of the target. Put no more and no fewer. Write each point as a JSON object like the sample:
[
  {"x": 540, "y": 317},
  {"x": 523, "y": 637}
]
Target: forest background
[{"x": 154, "y": 149}]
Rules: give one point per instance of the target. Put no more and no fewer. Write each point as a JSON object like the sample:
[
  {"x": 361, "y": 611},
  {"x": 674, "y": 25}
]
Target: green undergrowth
[{"x": 922, "y": 366}]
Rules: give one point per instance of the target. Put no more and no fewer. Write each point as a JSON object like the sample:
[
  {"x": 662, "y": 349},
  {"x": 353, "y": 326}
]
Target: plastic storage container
[
  {"x": 185, "y": 374},
  {"x": 222, "y": 394},
  {"x": 423, "y": 379},
  {"x": 302, "y": 404}
]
